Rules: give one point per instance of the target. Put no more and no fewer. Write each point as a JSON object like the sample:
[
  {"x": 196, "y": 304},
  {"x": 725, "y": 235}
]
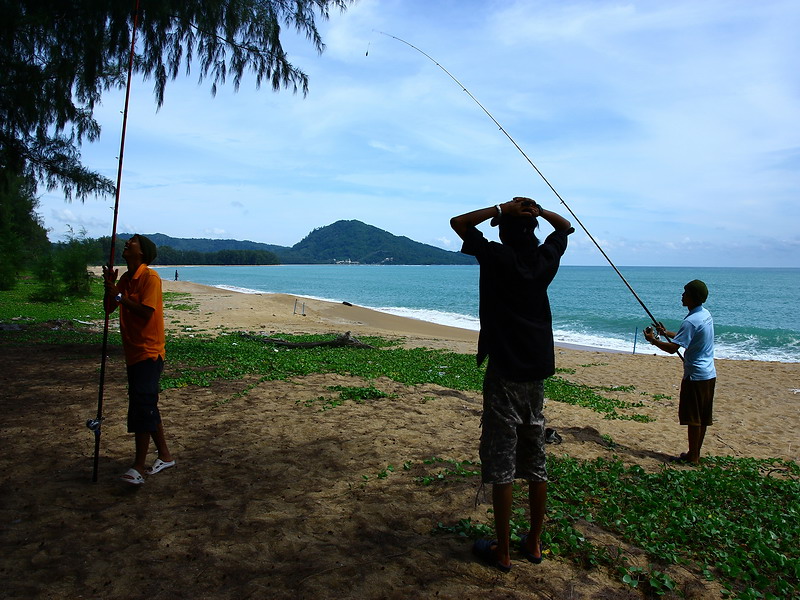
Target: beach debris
[
  {"x": 551, "y": 436},
  {"x": 340, "y": 341}
]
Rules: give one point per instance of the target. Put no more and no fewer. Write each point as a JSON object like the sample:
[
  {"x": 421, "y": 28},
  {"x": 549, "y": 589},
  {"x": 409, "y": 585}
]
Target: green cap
[{"x": 697, "y": 290}]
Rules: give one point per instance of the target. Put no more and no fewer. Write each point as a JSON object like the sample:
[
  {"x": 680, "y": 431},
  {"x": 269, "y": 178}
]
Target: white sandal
[
  {"x": 159, "y": 466},
  {"x": 133, "y": 477}
]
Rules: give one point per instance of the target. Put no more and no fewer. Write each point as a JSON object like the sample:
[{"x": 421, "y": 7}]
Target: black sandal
[
  {"x": 484, "y": 550},
  {"x": 551, "y": 436}
]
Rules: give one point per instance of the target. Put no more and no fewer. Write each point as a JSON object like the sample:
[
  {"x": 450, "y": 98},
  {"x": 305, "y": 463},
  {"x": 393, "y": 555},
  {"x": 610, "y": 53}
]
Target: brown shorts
[
  {"x": 697, "y": 402},
  {"x": 512, "y": 438}
]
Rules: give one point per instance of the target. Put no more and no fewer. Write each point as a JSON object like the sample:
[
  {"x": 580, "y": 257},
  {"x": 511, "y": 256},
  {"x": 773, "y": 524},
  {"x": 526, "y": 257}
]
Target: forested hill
[{"x": 341, "y": 241}]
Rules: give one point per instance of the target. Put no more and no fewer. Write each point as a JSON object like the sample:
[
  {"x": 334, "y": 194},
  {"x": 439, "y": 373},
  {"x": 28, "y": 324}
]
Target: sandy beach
[{"x": 272, "y": 498}]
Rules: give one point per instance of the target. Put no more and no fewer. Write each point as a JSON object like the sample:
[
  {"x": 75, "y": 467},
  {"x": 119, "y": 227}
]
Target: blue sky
[{"x": 671, "y": 129}]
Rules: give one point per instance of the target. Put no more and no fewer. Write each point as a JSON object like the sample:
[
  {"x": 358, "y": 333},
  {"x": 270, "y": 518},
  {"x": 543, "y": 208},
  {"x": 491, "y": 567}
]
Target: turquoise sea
[{"x": 755, "y": 310}]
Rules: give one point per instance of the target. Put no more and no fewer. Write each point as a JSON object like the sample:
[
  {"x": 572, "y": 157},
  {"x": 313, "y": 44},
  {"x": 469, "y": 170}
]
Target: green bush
[
  {"x": 72, "y": 258},
  {"x": 49, "y": 285}
]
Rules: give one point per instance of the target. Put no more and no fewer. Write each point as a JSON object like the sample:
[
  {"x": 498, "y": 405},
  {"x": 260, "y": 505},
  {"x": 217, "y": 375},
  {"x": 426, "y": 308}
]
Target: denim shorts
[
  {"x": 513, "y": 430},
  {"x": 143, "y": 388}
]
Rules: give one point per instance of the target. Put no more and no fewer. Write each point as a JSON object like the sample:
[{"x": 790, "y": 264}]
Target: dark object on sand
[{"x": 340, "y": 341}]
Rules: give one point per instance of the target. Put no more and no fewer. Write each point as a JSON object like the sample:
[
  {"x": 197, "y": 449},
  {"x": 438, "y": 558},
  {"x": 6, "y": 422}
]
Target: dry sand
[{"x": 269, "y": 498}]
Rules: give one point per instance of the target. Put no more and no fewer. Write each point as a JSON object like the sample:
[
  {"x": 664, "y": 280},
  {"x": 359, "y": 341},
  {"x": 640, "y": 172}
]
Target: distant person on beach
[
  {"x": 517, "y": 336},
  {"x": 176, "y": 274},
  {"x": 696, "y": 335},
  {"x": 141, "y": 323}
]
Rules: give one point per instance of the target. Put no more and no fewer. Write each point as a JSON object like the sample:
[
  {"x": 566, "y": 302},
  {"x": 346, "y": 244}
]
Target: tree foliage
[
  {"x": 172, "y": 256},
  {"x": 57, "y": 58},
  {"x": 169, "y": 256},
  {"x": 358, "y": 242},
  {"x": 338, "y": 241},
  {"x": 22, "y": 236}
]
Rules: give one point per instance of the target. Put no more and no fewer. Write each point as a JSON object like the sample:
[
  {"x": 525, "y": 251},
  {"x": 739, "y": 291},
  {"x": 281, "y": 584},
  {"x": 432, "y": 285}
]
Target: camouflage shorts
[{"x": 513, "y": 424}]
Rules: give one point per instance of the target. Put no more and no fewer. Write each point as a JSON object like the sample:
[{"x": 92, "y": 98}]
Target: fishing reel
[
  {"x": 649, "y": 330},
  {"x": 94, "y": 424}
]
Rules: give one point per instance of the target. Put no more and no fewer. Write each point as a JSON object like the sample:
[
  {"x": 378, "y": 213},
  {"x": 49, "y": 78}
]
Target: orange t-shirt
[{"x": 142, "y": 338}]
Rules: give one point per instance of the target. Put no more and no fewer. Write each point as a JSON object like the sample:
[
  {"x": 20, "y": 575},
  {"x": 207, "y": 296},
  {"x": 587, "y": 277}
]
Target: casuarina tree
[{"x": 57, "y": 58}]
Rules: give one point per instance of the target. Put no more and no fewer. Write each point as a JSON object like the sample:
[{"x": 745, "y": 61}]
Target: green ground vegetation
[
  {"x": 179, "y": 301},
  {"x": 22, "y": 303},
  {"x": 734, "y": 520},
  {"x": 203, "y": 358}
]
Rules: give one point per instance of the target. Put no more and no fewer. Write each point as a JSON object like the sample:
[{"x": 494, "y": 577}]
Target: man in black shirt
[{"x": 517, "y": 337}]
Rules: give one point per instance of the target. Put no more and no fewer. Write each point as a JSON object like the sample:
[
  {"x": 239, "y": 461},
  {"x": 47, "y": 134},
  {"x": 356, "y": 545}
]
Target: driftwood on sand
[{"x": 340, "y": 341}]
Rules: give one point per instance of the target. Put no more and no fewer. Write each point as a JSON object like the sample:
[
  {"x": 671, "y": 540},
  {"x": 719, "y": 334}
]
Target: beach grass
[
  {"x": 16, "y": 304},
  {"x": 734, "y": 520}
]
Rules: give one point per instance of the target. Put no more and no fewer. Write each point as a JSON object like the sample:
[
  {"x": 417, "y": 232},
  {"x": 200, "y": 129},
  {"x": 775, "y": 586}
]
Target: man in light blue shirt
[{"x": 696, "y": 335}]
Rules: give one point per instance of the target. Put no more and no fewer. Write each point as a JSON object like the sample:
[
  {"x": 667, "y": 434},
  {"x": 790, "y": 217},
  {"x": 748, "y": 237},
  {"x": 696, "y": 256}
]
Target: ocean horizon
[{"x": 753, "y": 308}]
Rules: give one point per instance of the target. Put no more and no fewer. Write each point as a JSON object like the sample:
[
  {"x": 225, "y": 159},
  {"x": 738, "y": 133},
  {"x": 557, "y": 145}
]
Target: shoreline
[
  {"x": 373, "y": 321},
  {"x": 273, "y": 310},
  {"x": 273, "y": 307},
  {"x": 557, "y": 344}
]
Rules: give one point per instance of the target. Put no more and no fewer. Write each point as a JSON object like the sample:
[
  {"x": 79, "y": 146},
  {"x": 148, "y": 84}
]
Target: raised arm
[
  {"x": 519, "y": 206},
  {"x": 110, "y": 284}
]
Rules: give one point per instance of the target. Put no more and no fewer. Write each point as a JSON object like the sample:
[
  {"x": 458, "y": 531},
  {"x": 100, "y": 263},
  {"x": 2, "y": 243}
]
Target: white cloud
[{"x": 670, "y": 129}]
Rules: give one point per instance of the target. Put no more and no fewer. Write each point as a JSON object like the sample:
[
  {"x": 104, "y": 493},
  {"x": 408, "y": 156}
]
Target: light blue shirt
[{"x": 696, "y": 334}]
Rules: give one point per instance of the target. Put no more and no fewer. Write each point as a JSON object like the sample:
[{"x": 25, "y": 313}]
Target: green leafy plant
[
  {"x": 609, "y": 441},
  {"x": 383, "y": 474},
  {"x": 354, "y": 393},
  {"x": 739, "y": 515},
  {"x": 453, "y": 469},
  {"x": 561, "y": 390},
  {"x": 655, "y": 581},
  {"x": 358, "y": 394}
]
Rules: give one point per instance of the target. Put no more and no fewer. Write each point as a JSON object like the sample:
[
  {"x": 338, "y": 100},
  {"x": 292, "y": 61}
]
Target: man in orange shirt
[{"x": 141, "y": 323}]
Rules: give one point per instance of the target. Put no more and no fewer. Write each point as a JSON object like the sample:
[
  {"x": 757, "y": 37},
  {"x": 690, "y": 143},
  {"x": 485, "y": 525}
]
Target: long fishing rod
[
  {"x": 531, "y": 163},
  {"x": 95, "y": 424}
]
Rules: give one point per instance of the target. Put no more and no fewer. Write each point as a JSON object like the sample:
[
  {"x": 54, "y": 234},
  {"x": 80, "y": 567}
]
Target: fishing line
[
  {"x": 531, "y": 163},
  {"x": 95, "y": 424}
]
